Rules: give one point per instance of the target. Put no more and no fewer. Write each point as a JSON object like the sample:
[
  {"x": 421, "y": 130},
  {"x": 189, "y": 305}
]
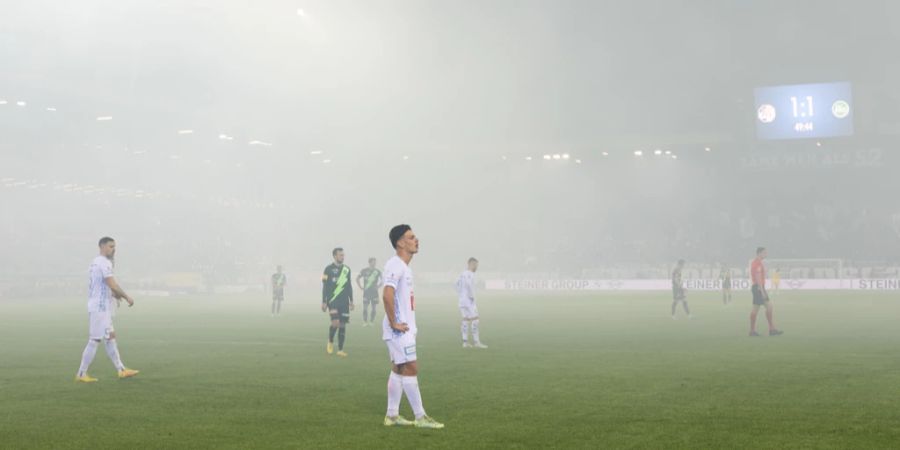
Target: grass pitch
[{"x": 563, "y": 371}]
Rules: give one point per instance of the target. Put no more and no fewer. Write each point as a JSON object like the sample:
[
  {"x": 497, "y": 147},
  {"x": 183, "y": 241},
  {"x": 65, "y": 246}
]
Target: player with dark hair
[
  {"x": 368, "y": 281},
  {"x": 678, "y": 291},
  {"x": 337, "y": 299},
  {"x": 399, "y": 331},
  {"x": 102, "y": 289},
  {"x": 278, "y": 282},
  {"x": 760, "y": 295}
]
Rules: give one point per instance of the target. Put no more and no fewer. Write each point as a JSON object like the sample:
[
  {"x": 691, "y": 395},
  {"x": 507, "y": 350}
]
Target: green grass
[{"x": 565, "y": 371}]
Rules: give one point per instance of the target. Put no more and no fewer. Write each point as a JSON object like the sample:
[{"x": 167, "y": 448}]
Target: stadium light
[
  {"x": 104, "y": 118},
  {"x": 674, "y": 156},
  {"x": 3, "y": 102},
  {"x": 185, "y": 131},
  {"x": 327, "y": 161},
  {"x": 638, "y": 153},
  {"x": 707, "y": 149},
  {"x": 668, "y": 152},
  {"x": 51, "y": 109},
  {"x": 605, "y": 153},
  {"x": 577, "y": 161},
  {"x": 20, "y": 103},
  {"x": 226, "y": 137},
  {"x": 818, "y": 144},
  {"x": 301, "y": 12},
  {"x": 527, "y": 158},
  {"x": 316, "y": 152},
  {"x": 565, "y": 156},
  {"x": 405, "y": 157},
  {"x": 547, "y": 157},
  {"x": 557, "y": 156},
  {"x": 657, "y": 152},
  {"x": 259, "y": 143}
]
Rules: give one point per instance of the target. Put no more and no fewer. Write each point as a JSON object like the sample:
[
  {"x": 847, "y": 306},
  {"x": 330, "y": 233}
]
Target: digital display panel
[{"x": 804, "y": 111}]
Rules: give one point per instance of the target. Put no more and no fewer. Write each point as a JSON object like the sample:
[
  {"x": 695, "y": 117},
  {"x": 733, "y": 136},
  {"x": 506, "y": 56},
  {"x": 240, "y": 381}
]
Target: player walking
[
  {"x": 760, "y": 295},
  {"x": 101, "y": 309}
]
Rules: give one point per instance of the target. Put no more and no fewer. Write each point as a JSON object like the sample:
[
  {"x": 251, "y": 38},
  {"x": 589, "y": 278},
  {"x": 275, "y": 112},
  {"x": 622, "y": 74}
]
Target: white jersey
[
  {"x": 465, "y": 287},
  {"x": 99, "y": 294},
  {"x": 398, "y": 275}
]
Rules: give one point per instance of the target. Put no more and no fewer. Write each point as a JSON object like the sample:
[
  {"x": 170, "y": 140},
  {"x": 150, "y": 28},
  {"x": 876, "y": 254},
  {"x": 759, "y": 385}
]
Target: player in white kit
[
  {"x": 465, "y": 290},
  {"x": 101, "y": 309},
  {"x": 399, "y": 331}
]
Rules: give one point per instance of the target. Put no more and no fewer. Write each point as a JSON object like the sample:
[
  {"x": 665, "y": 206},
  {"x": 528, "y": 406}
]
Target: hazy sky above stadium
[{"x": 318, "y": 104}]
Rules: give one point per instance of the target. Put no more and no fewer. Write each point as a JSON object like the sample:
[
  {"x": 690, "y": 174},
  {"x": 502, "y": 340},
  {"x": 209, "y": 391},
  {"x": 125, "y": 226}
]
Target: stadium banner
[{"x": 692, "y": 284}]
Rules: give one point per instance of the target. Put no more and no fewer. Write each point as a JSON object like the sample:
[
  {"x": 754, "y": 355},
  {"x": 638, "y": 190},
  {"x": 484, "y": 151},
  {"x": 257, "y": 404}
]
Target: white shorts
[
  {"x": 402, "y": 349},
  {"x": 468, "y": 310},
  {"x": 101, "y": 325}
]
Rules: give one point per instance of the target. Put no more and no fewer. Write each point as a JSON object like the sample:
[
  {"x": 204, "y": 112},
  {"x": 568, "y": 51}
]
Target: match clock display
[{"x": 804, "y": 111}]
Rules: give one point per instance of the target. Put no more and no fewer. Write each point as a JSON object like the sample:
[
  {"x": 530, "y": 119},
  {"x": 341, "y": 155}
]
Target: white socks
[
  {"x": 395, "y": 393},
  {"x": 411, "y": 387},
  {"x": 465, "y": 330},
  {"x": 475, "y": 336},
  {"x": 87, "y": 357},
  {"x": 396, "y": 386},
  {"x": 113, "y": 351}
]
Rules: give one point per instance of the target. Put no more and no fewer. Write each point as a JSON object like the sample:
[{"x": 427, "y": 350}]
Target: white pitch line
[{"x": 291, "y": 343}]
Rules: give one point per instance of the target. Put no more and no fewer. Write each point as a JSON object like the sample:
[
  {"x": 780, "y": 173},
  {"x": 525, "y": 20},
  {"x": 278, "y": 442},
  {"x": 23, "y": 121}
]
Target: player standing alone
[
  {"x": 725, "y": 279},
  {"x": 278, "y": 282},
  {"x": 465, "y": 290},
  {"x": 399, "y": 331},
  {"x": 103, "y": 287},
  {"x": 678, "y": 291},
  {"x": 760, "y": 295},
  {"x": 337, "y": 299},
  {"x": 369, "y": 280}
]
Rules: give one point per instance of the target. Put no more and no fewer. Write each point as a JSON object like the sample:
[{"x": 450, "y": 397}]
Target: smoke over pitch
[{"x": 577, "y": 139}]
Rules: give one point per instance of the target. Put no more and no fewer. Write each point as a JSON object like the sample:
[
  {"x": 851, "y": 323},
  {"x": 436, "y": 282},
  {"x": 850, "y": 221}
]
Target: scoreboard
[{"x": 803, "y": 111}]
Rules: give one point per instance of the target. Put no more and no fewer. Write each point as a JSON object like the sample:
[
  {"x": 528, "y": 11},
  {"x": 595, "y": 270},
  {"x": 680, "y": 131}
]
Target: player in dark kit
[
  {"x": 278, "y": 282},
  {"x": 337, "y": 299},
  {"x": 369, "y": 281},
  {"x": 678, "y": 291}
]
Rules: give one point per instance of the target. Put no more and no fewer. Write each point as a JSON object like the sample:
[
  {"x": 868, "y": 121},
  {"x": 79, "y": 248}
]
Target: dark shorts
[
  {"x": 678, "y": 293},
  {"x": 340, "y": 312},
  {"x": 370, "y": 298},
  {"x": 758, "y": 297},
  {"x": 278, "y": 295}
]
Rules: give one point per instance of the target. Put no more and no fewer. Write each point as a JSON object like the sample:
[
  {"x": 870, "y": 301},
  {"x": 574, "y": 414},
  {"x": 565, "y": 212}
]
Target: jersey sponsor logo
[{"x": 409, "y": 350}]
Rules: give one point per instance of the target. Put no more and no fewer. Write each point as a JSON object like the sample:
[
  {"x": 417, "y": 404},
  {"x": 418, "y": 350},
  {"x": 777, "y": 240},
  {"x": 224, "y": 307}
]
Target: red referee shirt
[{"x": 758, "y": 272}]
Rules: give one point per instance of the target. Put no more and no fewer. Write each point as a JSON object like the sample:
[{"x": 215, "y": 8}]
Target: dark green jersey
[
  {"x": 336, "y": 286},
  {"x": 371, "y": 281},
  {"x": 278, "y": 281},
  {"x": 676, "y": 279}
]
